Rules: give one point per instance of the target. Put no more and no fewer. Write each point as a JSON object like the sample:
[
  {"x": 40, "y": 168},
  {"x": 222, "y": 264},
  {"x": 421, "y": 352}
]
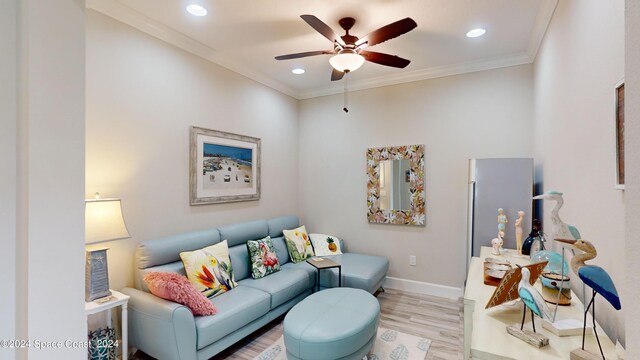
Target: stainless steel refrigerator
[{"x": 498, "y": 183}]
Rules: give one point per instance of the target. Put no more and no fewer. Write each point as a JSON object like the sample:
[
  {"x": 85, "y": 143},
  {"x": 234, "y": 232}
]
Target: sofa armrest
[{"x": 160, "y": 328}]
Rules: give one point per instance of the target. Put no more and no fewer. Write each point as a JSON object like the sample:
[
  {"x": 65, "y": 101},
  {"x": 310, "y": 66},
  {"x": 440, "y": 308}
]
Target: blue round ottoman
[{"x": 337, "y": 323}]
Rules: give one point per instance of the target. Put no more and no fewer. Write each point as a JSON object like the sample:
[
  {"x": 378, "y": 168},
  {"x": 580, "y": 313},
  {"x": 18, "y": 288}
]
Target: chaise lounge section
[{"x": 167, "y": 330}]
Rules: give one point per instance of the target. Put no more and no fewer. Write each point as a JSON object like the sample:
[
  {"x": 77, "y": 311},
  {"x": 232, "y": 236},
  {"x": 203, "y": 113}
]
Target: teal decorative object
[
  {"x": 102, "y": 344},
  {"x": 555, "y": 264},
  {"x": 594, "y": 277}
]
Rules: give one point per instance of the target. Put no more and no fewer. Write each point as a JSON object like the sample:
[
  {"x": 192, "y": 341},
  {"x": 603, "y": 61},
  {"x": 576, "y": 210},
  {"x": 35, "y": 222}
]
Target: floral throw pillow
[
  {"x": 209, "y": 269},
  {"x": 177, "y": 288},
  {"x": 298, "y": 244},
  {"x": 263, "y": 257},
  {"x": 325, "y": 245}
]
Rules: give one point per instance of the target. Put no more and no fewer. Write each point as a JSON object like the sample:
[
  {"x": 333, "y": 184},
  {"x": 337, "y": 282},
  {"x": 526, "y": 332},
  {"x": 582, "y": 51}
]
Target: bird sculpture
[
  {"x": 532, "y": 299},
  {"x": 594, "y": 277},
  {"x": 561, "y": 230}
]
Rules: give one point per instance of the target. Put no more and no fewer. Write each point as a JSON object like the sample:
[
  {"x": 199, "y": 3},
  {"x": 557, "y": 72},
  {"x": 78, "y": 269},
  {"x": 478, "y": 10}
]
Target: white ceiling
[{"x": 245, "y": 36}]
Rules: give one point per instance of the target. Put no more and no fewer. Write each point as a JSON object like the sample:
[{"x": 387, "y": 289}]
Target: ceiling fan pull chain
[{"x": 346, "y": 91}]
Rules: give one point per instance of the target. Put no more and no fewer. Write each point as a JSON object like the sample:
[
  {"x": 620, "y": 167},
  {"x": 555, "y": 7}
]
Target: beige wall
[
  {"x": 482, "y": 114},
  {"x": 45, "y": 168},
  {"x": 8, "y": 162},
  {"x": 142, "y": 97},
  {"x": 632, "y": 191},
  {"x": 579, "y": 63}
]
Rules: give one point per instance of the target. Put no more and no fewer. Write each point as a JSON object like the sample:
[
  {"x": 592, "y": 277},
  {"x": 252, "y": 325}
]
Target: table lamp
[{"x": 103, "y": 222}]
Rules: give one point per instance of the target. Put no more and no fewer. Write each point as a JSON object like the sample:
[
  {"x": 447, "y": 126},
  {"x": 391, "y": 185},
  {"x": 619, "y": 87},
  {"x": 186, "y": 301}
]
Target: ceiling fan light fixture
[
  {"x": 298, "y": 71},
  {"x": 476, "y": 32},
  {"x": 346, "y": 61},
  {"x": 196, "y": 10}
]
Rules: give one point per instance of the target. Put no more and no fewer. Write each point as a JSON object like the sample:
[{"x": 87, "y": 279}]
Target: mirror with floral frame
[{"x": 415, "y": 214}]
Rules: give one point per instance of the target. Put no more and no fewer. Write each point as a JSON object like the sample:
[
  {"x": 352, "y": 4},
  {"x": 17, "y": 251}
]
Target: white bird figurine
[
  {"x": 561, "y": 230},
  {"x": 532, "y": 299}
]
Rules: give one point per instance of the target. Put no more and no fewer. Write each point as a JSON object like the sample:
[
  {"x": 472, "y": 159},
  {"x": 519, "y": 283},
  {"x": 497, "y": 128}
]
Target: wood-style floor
[{"x": 431, "y": 317}]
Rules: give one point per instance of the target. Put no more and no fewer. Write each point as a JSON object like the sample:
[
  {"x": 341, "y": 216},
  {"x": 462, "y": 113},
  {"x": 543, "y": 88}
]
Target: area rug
[{"x": 390, "y": 344}]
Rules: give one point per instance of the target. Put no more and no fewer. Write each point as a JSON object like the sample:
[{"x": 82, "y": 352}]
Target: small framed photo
[
  {"x": 224, "y": 167},
  {"x": 619, "y": 106}
]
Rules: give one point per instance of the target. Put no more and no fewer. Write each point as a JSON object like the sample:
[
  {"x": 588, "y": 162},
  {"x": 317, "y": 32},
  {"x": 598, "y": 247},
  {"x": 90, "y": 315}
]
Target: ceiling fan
[{"x": 348, "y": 50}]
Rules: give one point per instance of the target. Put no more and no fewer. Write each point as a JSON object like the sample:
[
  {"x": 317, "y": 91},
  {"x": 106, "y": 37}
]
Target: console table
[{"x": 485, "y": 334}]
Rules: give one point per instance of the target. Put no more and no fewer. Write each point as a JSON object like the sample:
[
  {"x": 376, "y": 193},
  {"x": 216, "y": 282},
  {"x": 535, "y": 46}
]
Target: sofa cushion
[
  {"x": 165, "y": 250},
  {"x": 281, "y": 249},
  {"x": 177, "y": 288},
  {"x": 282, "y": 286},
  {"x": 263, "y": 258},
  {"x": 325, "y": 245},
  {"x": 210, "y": 269},
  {"x": 240, "y": 261},
  {"x": 236, "y": 309},
  {"x": 298, "y": 243},
  {"x": 276, "y": 225},
  {"x": 238, "y": 234},
  {"x": 358, "y": 271}
]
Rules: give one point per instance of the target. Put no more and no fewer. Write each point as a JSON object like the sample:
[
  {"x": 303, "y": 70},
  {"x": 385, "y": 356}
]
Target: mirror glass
[{"x": 394, "y": 179}]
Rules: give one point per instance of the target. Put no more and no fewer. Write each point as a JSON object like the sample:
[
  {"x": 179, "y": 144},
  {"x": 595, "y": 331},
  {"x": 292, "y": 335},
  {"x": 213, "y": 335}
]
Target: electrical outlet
[{"x": 412, "y": 260}]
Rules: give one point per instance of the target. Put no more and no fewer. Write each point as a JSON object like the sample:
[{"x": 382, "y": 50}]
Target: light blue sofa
[{"x": 167, "y": 330}]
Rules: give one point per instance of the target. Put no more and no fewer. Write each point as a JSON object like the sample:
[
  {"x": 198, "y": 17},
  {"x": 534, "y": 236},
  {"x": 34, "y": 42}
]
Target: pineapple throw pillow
[
  {"x": 298, "y": 244},
  {"x": 325, "y": 245}
]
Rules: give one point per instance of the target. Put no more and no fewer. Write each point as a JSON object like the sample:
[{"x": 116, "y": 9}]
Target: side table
[
  {"x": 120, "y": 299},
  {"x": 323, "y": 263}
]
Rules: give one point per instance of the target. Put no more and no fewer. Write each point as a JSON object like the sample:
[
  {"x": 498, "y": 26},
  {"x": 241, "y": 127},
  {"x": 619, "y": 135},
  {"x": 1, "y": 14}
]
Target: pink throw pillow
[{"x": 177, "y": 288}]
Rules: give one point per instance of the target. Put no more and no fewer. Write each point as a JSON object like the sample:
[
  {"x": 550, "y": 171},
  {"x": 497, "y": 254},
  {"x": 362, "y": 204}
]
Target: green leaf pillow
[
  {"x": 298, "y": 244},
  {"x": 263, "y": 257}
]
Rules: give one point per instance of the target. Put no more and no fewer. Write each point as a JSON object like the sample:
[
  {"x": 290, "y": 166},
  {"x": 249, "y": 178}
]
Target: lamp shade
[
  {"x": 346, "y": 61},
  {"x": 103, "y": 221}
]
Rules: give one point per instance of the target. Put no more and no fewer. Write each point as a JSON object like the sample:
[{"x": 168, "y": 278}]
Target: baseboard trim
[{"x": 422, "y": 287}]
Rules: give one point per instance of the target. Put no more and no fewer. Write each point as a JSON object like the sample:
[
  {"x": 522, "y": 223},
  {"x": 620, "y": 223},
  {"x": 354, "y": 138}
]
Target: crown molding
[
  {"x": 424, "y": 74},
  {"x": 126, "y": 15},
  {"x": 543, "y": 19},
  {"x": 129, "y": 16}
]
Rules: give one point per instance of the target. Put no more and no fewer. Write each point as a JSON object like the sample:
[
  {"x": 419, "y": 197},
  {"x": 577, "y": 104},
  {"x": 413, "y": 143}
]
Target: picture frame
[
  {"x": 224, "y": 167},
  {"x": 619, "y": 121},
  {"x": 376, "y": 213}
]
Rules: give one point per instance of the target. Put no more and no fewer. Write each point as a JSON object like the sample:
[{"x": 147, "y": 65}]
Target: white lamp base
[{"x": 566, "y": 327}]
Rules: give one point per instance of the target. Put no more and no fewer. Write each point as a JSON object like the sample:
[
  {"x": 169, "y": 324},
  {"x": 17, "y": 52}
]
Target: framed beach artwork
[{"x": 224, "y": 167}]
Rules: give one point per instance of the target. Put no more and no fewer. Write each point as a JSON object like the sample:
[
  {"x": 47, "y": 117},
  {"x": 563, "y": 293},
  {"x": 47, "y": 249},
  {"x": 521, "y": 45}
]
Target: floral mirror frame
[{"x": 414, "y": 216}]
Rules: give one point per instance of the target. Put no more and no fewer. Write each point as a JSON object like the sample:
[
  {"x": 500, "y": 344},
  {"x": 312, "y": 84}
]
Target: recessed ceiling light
[
  {"x": 476, "y": 32},
  {"x": 197, "y": 10},
  {"x": 298, "y": 71}
]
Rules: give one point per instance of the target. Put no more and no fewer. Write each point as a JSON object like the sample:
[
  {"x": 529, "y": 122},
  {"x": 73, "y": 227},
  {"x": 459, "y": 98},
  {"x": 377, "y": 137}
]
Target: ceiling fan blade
[
  {"x": 303, "y": 54},
  {"x": 388, "y": 32},
  {"x": 385, "y": 59},
  {"x": 322, "y": 28},
  {"x": 336, "y": 75}
]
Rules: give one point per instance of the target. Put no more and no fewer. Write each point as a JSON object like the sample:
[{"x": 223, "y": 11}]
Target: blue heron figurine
[
  {"x": 531, "y": 299},
  {"x": 594, "y": 277},
  {"x": 561, "y": 230}
]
